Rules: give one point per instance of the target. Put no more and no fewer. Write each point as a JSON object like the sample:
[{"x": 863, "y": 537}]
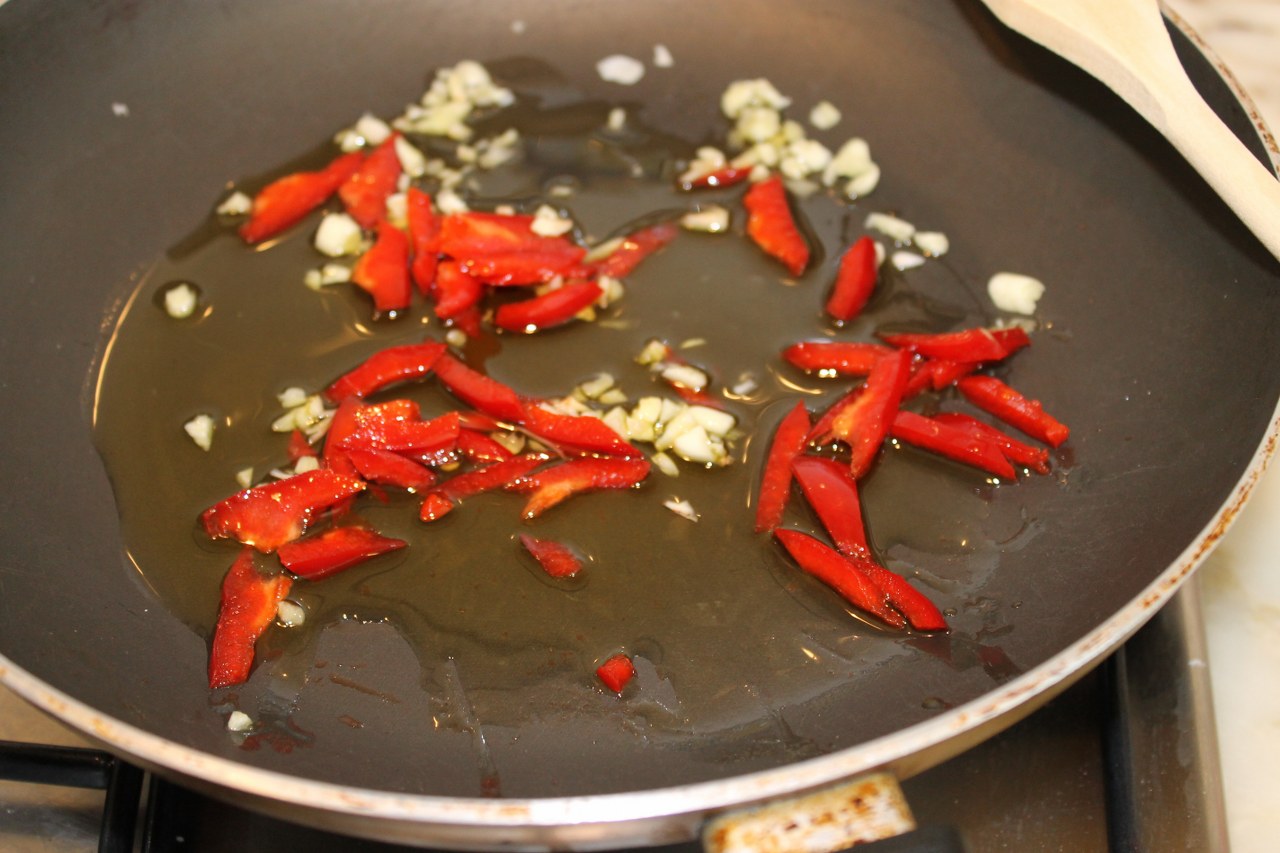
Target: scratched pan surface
[{"x": 1164, "y": 362}]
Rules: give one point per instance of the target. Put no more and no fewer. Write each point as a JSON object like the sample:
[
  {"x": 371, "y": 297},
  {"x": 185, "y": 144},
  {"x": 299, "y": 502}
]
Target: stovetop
[{"x": 1124, "y": 760}]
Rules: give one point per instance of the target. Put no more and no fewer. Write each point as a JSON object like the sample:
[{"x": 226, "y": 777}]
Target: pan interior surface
[{"x": 1158, "y": 350}]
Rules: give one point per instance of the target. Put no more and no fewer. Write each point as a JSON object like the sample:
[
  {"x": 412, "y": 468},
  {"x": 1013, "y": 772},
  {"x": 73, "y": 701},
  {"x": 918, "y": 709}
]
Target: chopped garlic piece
[
  {"x": 757, "y": 124},
  {"x": 332, "y": 273},
  {"x": 891, "y": 226},
  {"x": 413, "y": 161},
  {"x": 448, "y": 201},
  {"x": 180, "y": 301},
  {"x": 682, "y": 508},
  {"x": 665, "y": 464},
  {"x": 695, "y": 445},
  {"x": 547, "y": 222},
  {"x": 200, "y": 429},
  {"x": 617, "y": 119},
  {"x": 853, "y": 159},
  {"x": 685, "y": 375},
  {"x": 306, "y": 464},
  {"x": 714, "y": 421},
  {"x": 596, "y": 385},
  {"x": 804, "y": 157},
  {"x": 290, "y": 613},
  {"x": 338, "y": 235},
  {"x": 623, "y": 70},
  {"x": 654, "y": 352},
  {"x": 239, "y": 721},
  {"x": 1015, "y": 293},
  {"x": 245, "y": 477},
  {"x": 824, "y": 115},
  {"x": 236, "y": 204},
  {"x": 662, "y": 57},
  {"x": 864, "y": 184},
  {"x": 742, "y": 94},
  {"x": 292, "y": 397},
  {"x": 907, "y": 260},
  {"x": 397, "y": 206},
  {"x": 455, "y": 338},
  {"x": 712, "y": 219},
  {"x": 374, "y": 130},
  {"x": 933, "y": 243}
]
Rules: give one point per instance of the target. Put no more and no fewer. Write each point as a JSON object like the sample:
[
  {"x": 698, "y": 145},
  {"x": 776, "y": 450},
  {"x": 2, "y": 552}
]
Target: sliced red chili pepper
[
  {"x": 556, "y": 484},
  {"x": 972, "y": 345},
  {"x": 855, "y": 281},
  {"x": 854, "y": 359},
  {"x": 386, "y": 367},
  {"x": 272, "y": 514},
  {"x": 402, "y": 435},
  {"x": 725, "y": 176},
  {"x": 556, "y": 558},
  {"x": 474, "y": 235},
  {"x": 479, "y": 447},
  {"x": 248, "y": 606},
  {"x": 287, "y": 201},
  {"x": 579, "y": 434},
  {"x": 424, "y": 237},
  {"x": 833, "y": 494},
  {"x": 533, "y": 266},
  {"x": 996, "y": 398},
  {"x": 771, "y": 225},
  {"x": 821, "y": 432},
  {"x": 299, "y": 447},
  {"x": 391, "y": 469},
  {"x": 383, "y": 270},
  {"x": 462, "y": 486},
  {"x": 922, "y": 613},
  {"x": 1035, "y": 458},
  {"x": 864, "y": 422},
  {"x": 553, "y": 308},
  {"x": 840, "y": 573},
  {"x": 334, "y": 550},
  {"x": 364, "y": 194},
  {"x": 456, "y": 291},
  {"x": 775, "y": 483},
  {"x": 475, "y": 389},
  {"x": 622, "y": 261},
  {"x": 616, "y": 672},
  {"x": 952, "y": 442}
]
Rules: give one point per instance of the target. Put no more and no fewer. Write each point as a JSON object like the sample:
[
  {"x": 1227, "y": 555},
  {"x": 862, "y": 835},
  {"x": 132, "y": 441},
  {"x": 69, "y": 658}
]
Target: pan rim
[{"x": 906, "y": 752}]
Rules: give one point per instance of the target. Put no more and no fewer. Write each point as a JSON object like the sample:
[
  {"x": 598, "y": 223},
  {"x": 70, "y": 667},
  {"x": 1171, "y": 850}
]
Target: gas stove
[{"x": 1126, "y": 759}]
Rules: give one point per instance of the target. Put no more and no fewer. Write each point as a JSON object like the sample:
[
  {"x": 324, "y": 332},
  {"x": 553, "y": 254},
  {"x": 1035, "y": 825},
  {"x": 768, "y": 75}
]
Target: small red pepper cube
[
  {"x": 557, "y": 559},
  {"x": 616, "y": 672}
]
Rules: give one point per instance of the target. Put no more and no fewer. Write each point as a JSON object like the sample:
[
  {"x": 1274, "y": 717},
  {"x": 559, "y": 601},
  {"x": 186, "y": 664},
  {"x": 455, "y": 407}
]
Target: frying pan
[{"x": 122, "y": 121}]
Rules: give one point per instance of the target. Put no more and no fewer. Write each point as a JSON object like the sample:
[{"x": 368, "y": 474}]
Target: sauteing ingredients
[{"x": 417, "y": 427}]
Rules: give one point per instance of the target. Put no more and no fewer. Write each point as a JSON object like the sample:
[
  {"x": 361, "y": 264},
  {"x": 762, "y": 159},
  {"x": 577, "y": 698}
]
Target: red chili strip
[
  {"x": 841, "y": 574},
  {"x": 622, "y": 261},
  {"x": 616, "y": 672},
  {"x": 285, "y": 202},
  {"x": 775, "y": 483},
  {"x": 725, "y": 176},
  {"x": 431, "y": 437},
  {"x": 576, "y": 433},
  {"x": 479, "y": 447},
  {"x": 972, "y": 345},
  {"x": 1020, "y": 453},
  {"x": 391, "y": 469},
  {"x": 424, "y": 237},
  {"x": 456, "y": 291},
  {"x": 996, "y": 398},
  {"x": 833, "y": 494},
  {"x": 553, "y": 308},
  {"x": 386, "y": 367},
  {"x": 854, "y": 359},
  {"x": 482, "y": 392},
  {"x": 855, "y": 281},
  {"x": 248, "y": 606},
  {"x": 442, "y": 498},
  {"x": 922, "y": 613},
  {"x": 365, "y": 193},
  {"x": 951, "y": 442},
  {"x": 773, "y": 228},
  {"x": 560, "y": 482},
  {"x": 272, "y": 514},
  {"x": 864, "y": 422},
  {"x": 334, "y": 550},
  {"x": 299, "y": 447},
  {"x": 557, "y": 559},
  {"x": 383, "y": 270},
  {"x": 534, "y": 266}
]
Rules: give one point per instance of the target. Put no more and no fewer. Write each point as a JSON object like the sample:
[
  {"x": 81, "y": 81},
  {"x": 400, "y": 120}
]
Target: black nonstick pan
[{"x": 125, "y": 122}]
